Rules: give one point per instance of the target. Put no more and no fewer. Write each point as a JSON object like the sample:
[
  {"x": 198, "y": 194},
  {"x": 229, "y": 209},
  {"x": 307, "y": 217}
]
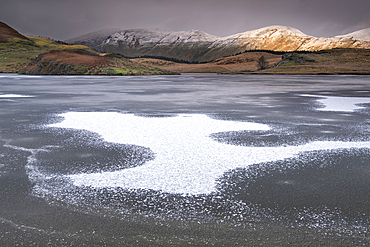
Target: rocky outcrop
[{"x": 198, "y": 46}]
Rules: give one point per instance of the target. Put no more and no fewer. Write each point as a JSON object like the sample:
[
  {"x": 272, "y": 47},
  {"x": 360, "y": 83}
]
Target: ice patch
[
  {"x": 336, "y": 103},
  {"x": 186, "y": 160}
]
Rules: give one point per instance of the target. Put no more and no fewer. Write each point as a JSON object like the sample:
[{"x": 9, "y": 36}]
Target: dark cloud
[{"x": 69, "y": 18}]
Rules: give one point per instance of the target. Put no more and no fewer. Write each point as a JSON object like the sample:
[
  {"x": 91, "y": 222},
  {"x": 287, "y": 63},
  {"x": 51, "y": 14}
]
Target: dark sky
[{"x": 63, "y": 19}]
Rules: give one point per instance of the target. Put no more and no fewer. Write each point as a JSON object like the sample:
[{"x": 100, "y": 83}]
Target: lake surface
[{"x": 184, "y": 160}]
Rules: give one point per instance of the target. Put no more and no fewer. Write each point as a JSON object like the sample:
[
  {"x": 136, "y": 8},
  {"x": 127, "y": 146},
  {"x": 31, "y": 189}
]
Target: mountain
[
  {"x": 198, "y": 46},
  {"x": 282, "y": 38},
  {"x": 185, "y": 45},
  {"x": 6, "y": 32}
]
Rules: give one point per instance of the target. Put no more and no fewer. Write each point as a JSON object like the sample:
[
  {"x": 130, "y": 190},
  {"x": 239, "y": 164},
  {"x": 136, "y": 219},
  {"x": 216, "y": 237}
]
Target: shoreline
[{"x": 201, "y": 73}]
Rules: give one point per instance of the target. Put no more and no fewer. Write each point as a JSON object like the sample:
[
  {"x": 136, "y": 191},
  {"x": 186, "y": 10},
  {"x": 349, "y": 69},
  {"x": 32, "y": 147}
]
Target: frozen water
[{"x": 186, "y": 160}]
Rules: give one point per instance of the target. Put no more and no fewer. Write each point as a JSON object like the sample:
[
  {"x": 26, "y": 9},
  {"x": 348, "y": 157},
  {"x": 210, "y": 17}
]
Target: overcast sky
[{"x": 63, "y": 19}]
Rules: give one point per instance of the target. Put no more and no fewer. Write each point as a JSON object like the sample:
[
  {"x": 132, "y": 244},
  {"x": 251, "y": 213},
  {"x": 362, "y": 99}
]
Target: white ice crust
[
  {"x": 341, "y": 104},
  {"x": 187, "y": 160}
]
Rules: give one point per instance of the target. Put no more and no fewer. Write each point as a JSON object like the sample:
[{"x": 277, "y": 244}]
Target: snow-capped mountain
[
  {"x": 196, "y": 45},
  {"x": 283, "y": 38}
]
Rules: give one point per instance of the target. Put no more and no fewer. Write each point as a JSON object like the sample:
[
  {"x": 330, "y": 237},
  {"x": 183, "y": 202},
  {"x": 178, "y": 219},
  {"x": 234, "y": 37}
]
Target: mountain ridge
[{"x": 198, "y": 46}]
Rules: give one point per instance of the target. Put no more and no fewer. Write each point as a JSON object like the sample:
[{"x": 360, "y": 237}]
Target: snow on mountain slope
[
  {"x": 185, "y": 45},
  {"x": 283, "y": 38},
  {"x": 277, "y": 38},
  {"x": 139, "y": 37},
  {"x": 271, "y": 31},
  {"x": 92, "y": 39},
  {"x": 363, "y": 35}
]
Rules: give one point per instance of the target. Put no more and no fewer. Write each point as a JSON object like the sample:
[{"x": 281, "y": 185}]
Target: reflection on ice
[{"x": 186, "y": 160}]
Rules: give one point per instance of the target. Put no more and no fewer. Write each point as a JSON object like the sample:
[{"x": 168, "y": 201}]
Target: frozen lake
[{"x": 240, "y": 150}]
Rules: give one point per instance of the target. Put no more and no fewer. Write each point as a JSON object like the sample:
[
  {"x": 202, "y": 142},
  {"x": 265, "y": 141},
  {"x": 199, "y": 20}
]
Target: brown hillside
[
  {"x": 65, "y": 62},
  {"x": 245, "y": 62},
  {"x": 333, "y": 61},
  {"x": 84, "y": 62},
  {"x": 73, "y": 57},
  {"x": 6, "y": 32}
]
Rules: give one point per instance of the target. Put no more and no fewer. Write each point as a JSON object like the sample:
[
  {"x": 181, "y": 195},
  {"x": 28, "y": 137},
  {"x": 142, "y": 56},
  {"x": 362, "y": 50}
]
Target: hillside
[
  {"x": 333, "y": 61},
  {"x": 7, "y": 32},
  {"x": 40, "y": 55},
  {"x": 19, "y": 50},
  {"x": 84, "y": 62},
  {"x": 198, "y": 46},
  {"x": 245, "y": 62},
  {"x": 16, "y": 53}
]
